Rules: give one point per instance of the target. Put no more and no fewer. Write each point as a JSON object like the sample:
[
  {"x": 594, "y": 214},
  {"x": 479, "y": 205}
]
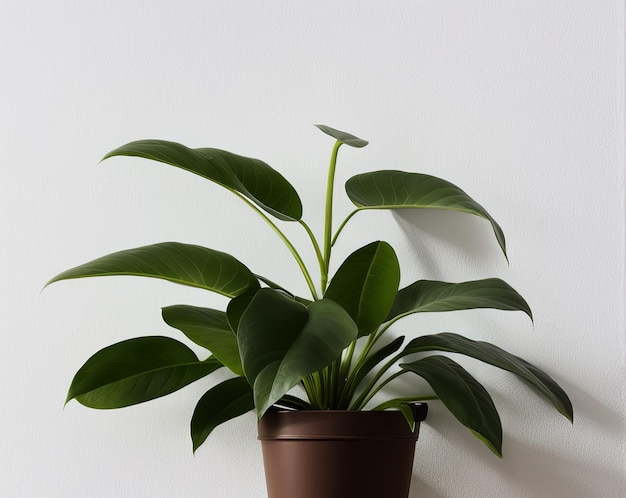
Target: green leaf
[
  {"x": 390, "y": 189},
  {"x": 463, "y": 395},
  {"x": 282, "y": 341},
  {"x": 137, "y": 370},
  {"x": 430, "y": 295},
  {"x": 227, "y": 400},
  {"x": 407, "y": 412},
  {"x": 184, "y": 264},
  {"x": 252, "y": 178},
  {"x": 208, "y": 328},
  {"x": 343, "y": 137},
  {"x": 366, "y": 284},
  {"x": 493, "y": 355}
]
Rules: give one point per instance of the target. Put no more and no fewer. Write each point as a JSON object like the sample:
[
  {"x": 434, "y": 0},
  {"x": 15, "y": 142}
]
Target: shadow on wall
[
  {"x": 534, "y": 471},
  {"x": 469, "y": 235},
  {"x": 419, "y": 489}
]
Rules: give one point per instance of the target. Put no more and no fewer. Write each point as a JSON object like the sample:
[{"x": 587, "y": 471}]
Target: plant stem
[
  {"x": 358, "y": 404},
  {"x": 328, "y": 215},
  {"x": 362, "y": 402},
  {"x": 343, "y": 224},
  {"x": 287, "y": 242},
  {"x": 316, "y": 246}
]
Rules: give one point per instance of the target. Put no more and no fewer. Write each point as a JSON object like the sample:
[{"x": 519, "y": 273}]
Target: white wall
[{"x": 520, "y": 103}]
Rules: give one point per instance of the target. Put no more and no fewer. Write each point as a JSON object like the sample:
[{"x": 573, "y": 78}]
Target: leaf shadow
[{"x": 467, "y": 236}]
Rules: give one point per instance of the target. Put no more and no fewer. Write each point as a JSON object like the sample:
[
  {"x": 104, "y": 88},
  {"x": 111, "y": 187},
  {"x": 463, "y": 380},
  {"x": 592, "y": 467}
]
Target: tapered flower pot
[{"x": 338, "y": 454}]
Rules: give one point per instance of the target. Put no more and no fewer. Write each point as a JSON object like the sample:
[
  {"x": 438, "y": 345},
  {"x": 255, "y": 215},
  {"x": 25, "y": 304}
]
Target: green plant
[{"x": 329, "y": 344}]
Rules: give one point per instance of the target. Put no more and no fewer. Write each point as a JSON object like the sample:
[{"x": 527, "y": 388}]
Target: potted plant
[{"x": 309, "y": 366}]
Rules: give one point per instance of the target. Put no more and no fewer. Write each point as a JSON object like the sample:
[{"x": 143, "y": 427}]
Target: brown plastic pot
[{"x": 338, "y": 454}]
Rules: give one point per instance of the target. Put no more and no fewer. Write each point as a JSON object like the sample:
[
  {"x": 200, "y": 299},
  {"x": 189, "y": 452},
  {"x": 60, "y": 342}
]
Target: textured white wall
[{"x": 520, "y": 103}]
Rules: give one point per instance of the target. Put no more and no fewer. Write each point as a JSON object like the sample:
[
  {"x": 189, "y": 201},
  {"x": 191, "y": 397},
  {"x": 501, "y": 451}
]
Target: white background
[{"x": 519, "y": 103}]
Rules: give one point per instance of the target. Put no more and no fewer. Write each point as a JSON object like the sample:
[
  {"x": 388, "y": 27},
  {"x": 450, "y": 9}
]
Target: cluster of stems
[{"x": 335, "y": 387}]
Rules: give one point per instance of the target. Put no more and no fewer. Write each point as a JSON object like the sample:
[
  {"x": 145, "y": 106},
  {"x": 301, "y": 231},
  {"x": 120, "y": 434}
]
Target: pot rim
[{"x": 281, "y": 424}]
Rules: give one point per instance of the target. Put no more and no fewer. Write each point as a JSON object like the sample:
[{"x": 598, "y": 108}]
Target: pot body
[{"x": 337, "y": 454}]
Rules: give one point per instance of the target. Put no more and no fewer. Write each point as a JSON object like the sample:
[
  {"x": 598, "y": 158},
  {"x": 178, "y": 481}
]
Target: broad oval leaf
[
  {"x": 498, "y": 357},
  {"x": 227, "y": 400},
  {"x": 208, "y": 328},
  {"x": 184, "y": 264},
  {"x": 431, "y": 295},
  {"x": 281, "y": 341},
  {"x": 137, "y": 370},
  {"x": 252, "y": 178},
  {"x": 366, "y": 284},
  {"x": 343, "y": 137},
  {"x": 463, "y": 395},
  {"x": 391, "y": 189}
]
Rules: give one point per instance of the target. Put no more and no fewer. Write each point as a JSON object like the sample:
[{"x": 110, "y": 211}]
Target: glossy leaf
[
  {"x": 208, "y": 328},
  {"x": 281, "y": 341},
  {"x": 390, "y": 189},
  {"x": 137, "y": 370},
  {"x": 366, "y": 284},
  {"x": 227, "y": 400},
  {"x": 493, "y": 355},
  {"x": 434, "y": 296},
  {"x": 463, "y": 395},
  {"x": 184, "y": 264},
  {"x": 252, "y": 178},
  {"x": 343, "y": 137}
]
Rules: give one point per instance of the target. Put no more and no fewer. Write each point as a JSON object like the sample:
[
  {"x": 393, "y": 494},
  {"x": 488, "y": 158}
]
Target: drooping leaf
[
  {"x": 137, "y": 370},
  {"x": 281, "y": 341},
  {"x": 250, "y": 177},
  {"x": 463, "y": 395},
  {"x": 227, "y": 400},
  {"x": 391, "y": 189},
  {"x": 184, "y": 264},
  {"x": 366, "y": 284},
  {"x": 208, "y": 328},
  {"x": 430, "y": 295},
  {"x": 498, "y": 357},
  {"x": 343, "y": 137}
]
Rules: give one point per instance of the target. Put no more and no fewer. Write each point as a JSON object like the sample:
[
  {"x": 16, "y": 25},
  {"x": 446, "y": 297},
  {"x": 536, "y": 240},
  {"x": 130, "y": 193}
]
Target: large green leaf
[
  {"x": 343, "y": 137},
  {"x": 180, "y": 263},
  {"x": 225, "y": 401},
  {"x": 463, "y": 395},
  {"x": 281, "y": 341},
  {"x": 431, "y": 295},
  {"x": 366, "y": 284},
  {"x": 208, "y": 328},
  {"x": 137, "y": 370},
  {"x": 250, "y": 177},
  {"x": 500, "y": 358},
  {"x": 390, "y": 189}
]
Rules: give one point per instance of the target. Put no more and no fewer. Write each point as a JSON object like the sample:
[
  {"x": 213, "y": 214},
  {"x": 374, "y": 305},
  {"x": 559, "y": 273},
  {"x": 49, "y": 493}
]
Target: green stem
[
  {"x": 370, "y": 387},
  {"x": 373, "y": 392},
  {"x": 316, "y": 246},
  {"x": 343, "y": 224},
  {"x": 328, "y": 214},
  {"x": 287, "y": 242}
]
